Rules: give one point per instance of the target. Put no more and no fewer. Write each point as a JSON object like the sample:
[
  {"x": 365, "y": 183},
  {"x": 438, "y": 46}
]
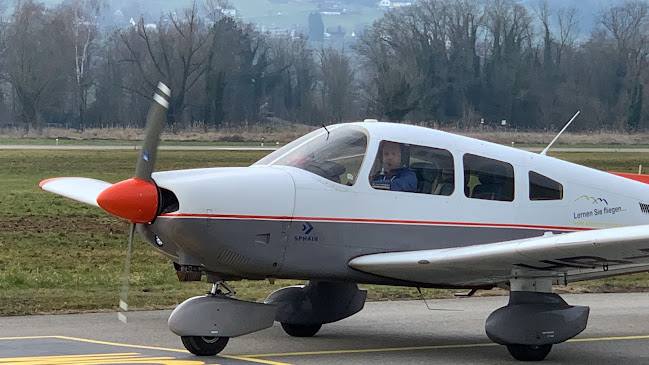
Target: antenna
[
  {"x": 545, "y": 151},
  {"x": 325, "y": 128}
]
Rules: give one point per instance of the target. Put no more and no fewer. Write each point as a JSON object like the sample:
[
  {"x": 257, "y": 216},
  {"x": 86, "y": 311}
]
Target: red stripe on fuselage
[
  {"x": 636, "y": 177},
  {"x": 369, "y": 220}
]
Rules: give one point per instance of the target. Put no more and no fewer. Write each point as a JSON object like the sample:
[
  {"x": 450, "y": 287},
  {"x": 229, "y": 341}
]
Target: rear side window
[
  {"x": 488, "y": 179},
  {"x": 544, "y": 188}
]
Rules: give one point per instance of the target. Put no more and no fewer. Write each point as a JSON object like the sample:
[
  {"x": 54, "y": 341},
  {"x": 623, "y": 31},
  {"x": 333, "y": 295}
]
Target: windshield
[{"x": 336, "y": 156}]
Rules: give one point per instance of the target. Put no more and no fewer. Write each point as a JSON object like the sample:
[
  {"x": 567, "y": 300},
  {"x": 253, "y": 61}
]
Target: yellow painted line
[
  {"x": 97, "y": 359},
  {"x": 121, "y": 344},
  {"x": 243, "y": 358},
  {"x": 26, "y": 337},
  {"x": 360, "y": 351},
  {"x": 88, "y": 359},
  {"x": 434, "y": 347},
  {"x": 621, "y": 338},
  {"x": 69, "y": 357},
  {"x": 246, "y": 358}
]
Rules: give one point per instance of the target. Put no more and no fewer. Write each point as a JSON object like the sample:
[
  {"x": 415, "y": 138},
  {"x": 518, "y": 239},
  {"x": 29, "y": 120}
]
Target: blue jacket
[{"x": 403, "y": 180}]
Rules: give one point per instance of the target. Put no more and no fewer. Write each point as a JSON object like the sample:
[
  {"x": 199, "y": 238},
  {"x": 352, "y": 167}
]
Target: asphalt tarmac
[{"x": 400, "y": 332}]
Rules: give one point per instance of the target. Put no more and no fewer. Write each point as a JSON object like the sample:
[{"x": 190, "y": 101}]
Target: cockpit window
[{"x": 336, "y": 155}]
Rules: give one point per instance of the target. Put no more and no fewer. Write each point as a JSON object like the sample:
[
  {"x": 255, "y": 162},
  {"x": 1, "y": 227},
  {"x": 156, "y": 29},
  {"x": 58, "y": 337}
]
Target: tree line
[{"x": 438, "y": 62}]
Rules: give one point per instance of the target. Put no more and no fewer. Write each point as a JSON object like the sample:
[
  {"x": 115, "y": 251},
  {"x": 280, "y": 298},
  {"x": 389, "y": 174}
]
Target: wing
[
  {"x": 81, "y": 189},
  {"x": 567, "y": 257}
]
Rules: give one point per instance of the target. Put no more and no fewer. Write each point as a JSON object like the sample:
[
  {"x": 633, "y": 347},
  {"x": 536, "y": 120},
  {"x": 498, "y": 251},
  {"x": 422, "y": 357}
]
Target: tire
[
  {"x": 301, "y": 330},
  {"x": 528, "y": 352},
  {"x": 204, "y": 345}
]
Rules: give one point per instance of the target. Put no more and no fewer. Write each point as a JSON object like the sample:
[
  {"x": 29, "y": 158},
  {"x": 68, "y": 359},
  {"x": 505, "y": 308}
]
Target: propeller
[{"x": 137, "y": 199}]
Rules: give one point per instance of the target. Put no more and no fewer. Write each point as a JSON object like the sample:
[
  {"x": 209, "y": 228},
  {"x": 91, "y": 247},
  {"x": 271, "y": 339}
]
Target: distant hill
[
  {"x": 285, "y": 13},
  {"x": 292, "y": 13}
]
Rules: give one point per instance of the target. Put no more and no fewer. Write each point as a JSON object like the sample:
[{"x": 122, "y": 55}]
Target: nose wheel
[{"x": 204, "y": 345}]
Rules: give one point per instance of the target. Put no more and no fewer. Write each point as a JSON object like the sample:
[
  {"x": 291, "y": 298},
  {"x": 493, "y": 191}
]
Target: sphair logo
[{"x": 306, "y": 236}]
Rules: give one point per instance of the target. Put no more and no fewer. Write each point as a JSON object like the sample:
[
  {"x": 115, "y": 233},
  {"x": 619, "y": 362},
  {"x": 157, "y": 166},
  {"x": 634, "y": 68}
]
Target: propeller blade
[
  {"x": 118, "y": 199},
  {"x": 155, "y": 122},
  {"x": 126, "y": 278}
]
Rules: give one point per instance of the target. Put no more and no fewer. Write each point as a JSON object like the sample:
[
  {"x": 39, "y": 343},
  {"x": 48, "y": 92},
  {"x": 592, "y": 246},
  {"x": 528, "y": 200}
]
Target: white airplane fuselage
[{"x": 280, "y": 221}]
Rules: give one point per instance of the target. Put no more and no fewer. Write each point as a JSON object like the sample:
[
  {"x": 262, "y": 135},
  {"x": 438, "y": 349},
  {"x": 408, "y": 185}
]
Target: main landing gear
[
  {"x": 534, "y": 319},
  {"x": 205, "y": 324},
  {"x": 302, "y": 310},
  {"x": 529, "y": 352},
  {"x": 301, "y": 330}
]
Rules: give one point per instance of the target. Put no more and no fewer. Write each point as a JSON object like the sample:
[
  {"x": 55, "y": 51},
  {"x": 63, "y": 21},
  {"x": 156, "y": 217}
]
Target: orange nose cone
[{"x": 133, "y": 199}]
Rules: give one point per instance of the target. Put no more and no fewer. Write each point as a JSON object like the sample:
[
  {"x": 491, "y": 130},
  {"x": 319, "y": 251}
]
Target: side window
[
  {"x": 414, "y": 169},
  {"x": 489, "y": 179},
  {"x": 434, "y": 170},
  {"x": 544, "y": 188}
]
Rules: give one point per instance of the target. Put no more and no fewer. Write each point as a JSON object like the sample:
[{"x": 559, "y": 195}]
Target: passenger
[{"x": 394, "y": 175}]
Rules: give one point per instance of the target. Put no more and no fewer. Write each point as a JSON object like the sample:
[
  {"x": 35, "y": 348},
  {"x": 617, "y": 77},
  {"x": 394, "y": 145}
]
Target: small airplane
[{"x": 334, "y": 208}]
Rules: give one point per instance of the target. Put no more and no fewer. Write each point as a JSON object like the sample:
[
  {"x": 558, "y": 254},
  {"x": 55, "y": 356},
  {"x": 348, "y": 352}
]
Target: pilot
[{"x": 394, "y": 175}]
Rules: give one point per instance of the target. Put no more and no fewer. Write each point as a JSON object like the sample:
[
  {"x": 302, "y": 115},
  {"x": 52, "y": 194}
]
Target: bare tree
[
  {"x": 509, "y": 26},
  {"x": 174, "y": 50},
  {"x": 568, "y": 20},
  {"x": 464, "y": 19},
  {"x": 337, "y": 84},
  {"x": 628, "y": 24},
  {"x": 544, "y": 13},
  {"x": 33, "y": 59},
  {"x": 79, "y": 20},
  {"x": 237, "y": 77}
]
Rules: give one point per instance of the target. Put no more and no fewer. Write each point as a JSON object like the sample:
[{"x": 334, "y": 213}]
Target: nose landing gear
[
  {"x": 204, "y": 345},
  {"x": 206, "y": 323}
]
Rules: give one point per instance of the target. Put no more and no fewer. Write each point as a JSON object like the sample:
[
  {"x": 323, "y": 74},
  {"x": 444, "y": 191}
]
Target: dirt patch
[
  {"x": 40, "y": 224},
  {"x": 604, "y": 288}
]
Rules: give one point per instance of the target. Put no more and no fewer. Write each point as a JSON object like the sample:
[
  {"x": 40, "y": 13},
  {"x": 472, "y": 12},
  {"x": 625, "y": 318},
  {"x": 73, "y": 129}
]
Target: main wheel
[
  {"x": 204, "y": 345},
  {"x": 528, "y": 352},
  {"x": 301, "y": 330}
]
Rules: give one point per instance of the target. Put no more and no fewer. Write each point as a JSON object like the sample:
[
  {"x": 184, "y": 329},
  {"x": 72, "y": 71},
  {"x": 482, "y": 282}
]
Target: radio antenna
[
  {"x": 545, "y": 151},
  {"x": 325, "y": 128}
]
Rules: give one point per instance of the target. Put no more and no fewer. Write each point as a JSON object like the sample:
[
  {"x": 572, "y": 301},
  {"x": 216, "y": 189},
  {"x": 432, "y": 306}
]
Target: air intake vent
[
  {"x": 644, "y": 208},
  {"x": 233, "y": 259},
  {"x": 168, "y": 201}
]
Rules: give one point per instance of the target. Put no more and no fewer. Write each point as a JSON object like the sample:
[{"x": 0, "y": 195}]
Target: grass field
[{"x": 57, "y": 255}]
